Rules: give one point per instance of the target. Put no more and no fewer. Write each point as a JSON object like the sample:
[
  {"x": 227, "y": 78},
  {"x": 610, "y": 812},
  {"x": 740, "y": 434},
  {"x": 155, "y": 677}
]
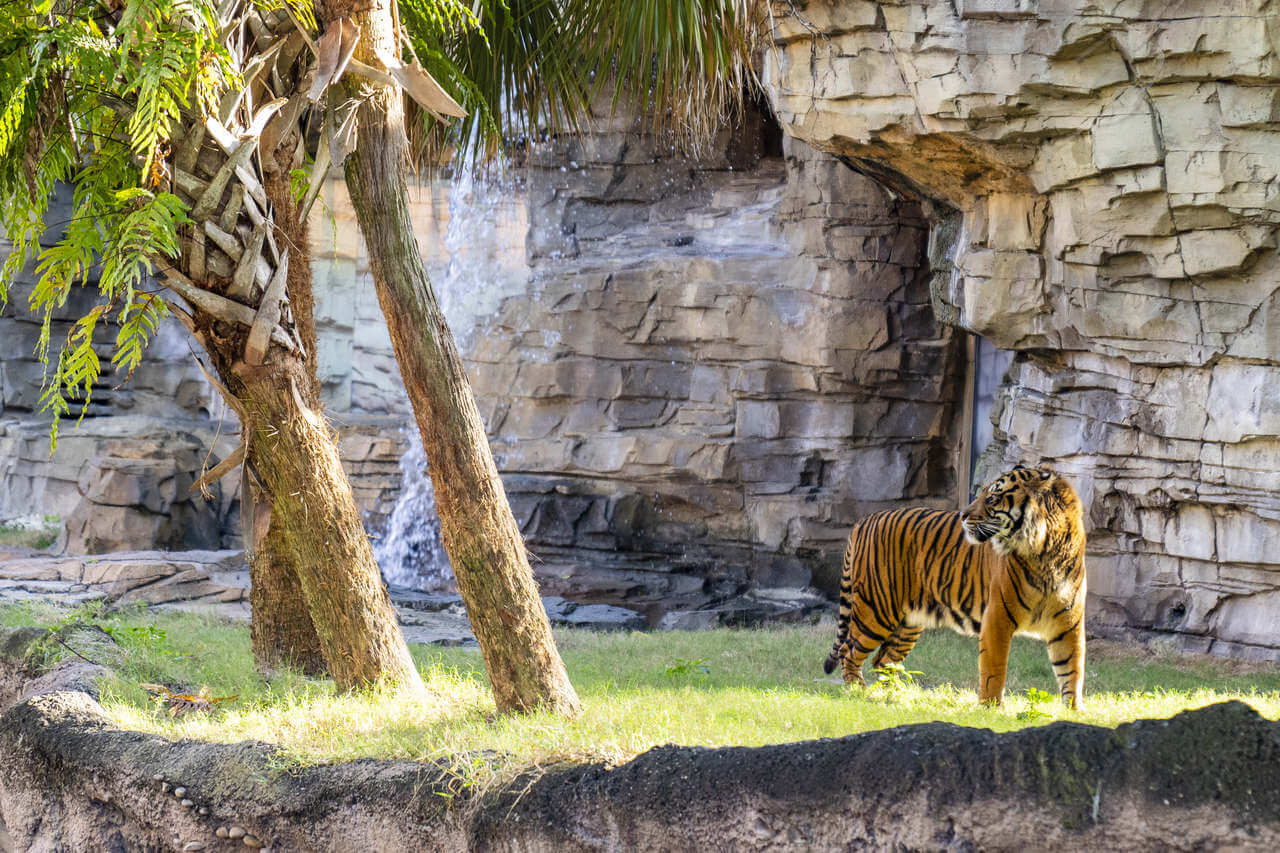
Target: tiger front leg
[
  {"x": 1066, "y": 654},
  {"x": 994, "y": 640}
]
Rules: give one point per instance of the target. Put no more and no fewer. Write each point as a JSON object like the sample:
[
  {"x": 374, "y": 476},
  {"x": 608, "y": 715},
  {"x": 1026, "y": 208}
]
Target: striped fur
[{"x": 1011, "y": 563}]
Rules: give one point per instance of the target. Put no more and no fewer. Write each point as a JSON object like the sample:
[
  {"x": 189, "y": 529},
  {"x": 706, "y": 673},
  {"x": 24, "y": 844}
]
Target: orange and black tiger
[{"x": 1011, "y": 563}]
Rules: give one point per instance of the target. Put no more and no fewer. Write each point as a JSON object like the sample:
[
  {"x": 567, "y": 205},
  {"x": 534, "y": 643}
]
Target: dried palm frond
[{"x": 182, "y": 703}]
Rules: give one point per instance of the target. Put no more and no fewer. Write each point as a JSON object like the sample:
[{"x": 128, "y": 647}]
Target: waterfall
[
  {"x": 485, "y": 239},
  {"x": 411, "y": 553}
]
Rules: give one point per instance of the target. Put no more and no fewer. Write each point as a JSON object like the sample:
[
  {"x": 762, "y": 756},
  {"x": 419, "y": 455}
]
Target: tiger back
[{"x": 1012, "y": 562}]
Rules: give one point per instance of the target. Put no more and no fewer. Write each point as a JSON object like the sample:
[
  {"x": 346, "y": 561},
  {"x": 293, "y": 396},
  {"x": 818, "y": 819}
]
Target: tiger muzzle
[{"x": 976, "y": 531}]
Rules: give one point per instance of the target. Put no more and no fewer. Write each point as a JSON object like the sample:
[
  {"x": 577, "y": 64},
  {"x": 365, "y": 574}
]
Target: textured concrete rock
[
  {"x": 696, "y": 373},
  {"x": 689, "y": 396},
  {"x": 120, "y": 482},
  {"x": 217, "y": 583},
  {"x": 166, "y": 382},
  {"x": 599, "y": 617},
  {"x": 213, "y": 580},
  {"x": 1101, "y": 181}
]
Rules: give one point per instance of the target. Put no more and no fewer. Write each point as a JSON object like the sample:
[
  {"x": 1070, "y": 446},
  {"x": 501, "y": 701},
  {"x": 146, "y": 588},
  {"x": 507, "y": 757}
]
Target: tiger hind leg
[
  {"x": 854, "y": 652},
  {"x": 898, "y": 646}
]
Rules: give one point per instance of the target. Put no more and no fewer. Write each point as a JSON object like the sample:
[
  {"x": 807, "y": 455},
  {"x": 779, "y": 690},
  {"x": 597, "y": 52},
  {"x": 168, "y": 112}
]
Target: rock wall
[
  {"x": 1102, "y": 183},
  {"x": 166, "y": 383},
  {"x": 697, "y": 375},
  {"x": 120, "y": 477},
  {"x": 713, "y": 372}
]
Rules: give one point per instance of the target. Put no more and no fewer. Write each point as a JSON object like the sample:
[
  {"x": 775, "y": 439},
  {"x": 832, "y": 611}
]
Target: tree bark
[
  {"x": 280, "y": 622},
  {"x": 480, "y": 534},
  {"x": 280, "y": 625},
  {"x": 315, "y": 515},
  {"x": 263, "y": 350}
]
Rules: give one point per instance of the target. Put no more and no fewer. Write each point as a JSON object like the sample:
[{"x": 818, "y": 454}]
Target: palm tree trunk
[
  {"x": 250, "y": 307},
  {"x": 280, "y": 625},
  {"x": 314, "y": 513},
  {"x": 480, "y": 534}
]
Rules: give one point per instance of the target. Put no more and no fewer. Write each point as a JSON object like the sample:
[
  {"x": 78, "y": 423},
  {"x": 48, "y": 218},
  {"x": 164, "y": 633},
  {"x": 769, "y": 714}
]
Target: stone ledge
[
  {"x": 217, "y": 582},
  {"x": 1205, "y": 778}
]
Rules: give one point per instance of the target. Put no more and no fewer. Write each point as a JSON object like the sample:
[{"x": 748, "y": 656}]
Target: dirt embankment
[{"x": 1205, "y": 779}]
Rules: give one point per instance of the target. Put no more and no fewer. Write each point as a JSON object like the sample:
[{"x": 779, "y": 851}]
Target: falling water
[
  {"x": 485, "y": 240},
  {"x": 411, "y": 553}
]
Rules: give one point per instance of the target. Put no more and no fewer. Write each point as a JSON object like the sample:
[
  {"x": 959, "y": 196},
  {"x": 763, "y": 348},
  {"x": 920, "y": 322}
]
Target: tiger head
[{"x": 1022, "y": 511}]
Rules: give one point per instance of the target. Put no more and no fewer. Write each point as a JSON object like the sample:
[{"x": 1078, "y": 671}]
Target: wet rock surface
[
  {"x": 1205, "y": 779},
  {"x": 1101, "y": 182}
]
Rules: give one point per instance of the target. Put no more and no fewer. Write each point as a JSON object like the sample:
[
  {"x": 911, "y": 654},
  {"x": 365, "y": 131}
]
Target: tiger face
[{"x": 1004, "y": 512}]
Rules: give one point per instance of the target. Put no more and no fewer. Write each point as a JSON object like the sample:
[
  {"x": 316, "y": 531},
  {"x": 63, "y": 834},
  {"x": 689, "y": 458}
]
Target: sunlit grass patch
[
  {"x": 30, "y": 532},
  {"x": 639, "y": 690}
]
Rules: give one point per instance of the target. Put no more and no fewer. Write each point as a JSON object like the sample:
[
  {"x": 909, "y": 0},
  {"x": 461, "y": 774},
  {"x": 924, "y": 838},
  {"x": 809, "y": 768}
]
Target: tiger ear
[
  {"x": 1019, "y": 467},
  {"x": 1045, "y": 472}
]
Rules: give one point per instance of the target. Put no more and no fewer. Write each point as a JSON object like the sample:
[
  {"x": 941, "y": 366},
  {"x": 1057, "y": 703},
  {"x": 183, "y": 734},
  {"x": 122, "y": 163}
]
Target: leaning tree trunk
[
  {"x": 235, "y": 276},
  {"x": 480, "y": 534},
  {"x": 280, "y": 626}
]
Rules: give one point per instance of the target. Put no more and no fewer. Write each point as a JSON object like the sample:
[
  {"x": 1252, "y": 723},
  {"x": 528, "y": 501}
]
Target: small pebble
[
  {"x": 179, "y": 792},
  {"x": 203, "y": 811},
  {"x": 235, "y": 832},
  {"x": 251, "y": 841},
  {"x": 221, "y": 832},
  {"x": 159, "y": 777},
  {"x": 193, "y": 845},
  {"x": 164, "y": 787},
  {"x": 186, "y": 804}
]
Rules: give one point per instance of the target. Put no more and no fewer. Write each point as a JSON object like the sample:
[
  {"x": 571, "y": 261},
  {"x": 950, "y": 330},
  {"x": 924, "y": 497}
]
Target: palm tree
[
  {"x": 176, "y": 122},
  {"x": 520, "y": 67},
  {"x": 180, "y": 123}
]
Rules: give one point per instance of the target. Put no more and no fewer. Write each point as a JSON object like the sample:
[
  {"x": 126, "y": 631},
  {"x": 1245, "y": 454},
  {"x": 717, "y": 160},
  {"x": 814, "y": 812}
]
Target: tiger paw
[{"x": 852, "y": 675}]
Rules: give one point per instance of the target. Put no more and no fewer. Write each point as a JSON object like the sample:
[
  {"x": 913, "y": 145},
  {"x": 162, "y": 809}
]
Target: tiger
[{"x": 1012, "y": 562}]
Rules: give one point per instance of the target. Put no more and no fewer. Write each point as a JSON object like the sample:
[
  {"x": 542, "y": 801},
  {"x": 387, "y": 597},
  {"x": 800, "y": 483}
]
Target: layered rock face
[
  {"x": 713, "y": 372},
  {"x": 697, "y": 375},
  {"x": 1102, "y": 183},
  {"x": 120, "y": 478}
]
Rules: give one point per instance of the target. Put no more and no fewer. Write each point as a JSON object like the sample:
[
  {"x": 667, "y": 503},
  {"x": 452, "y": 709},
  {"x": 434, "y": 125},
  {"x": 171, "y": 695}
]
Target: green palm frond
[
  {"x": 524, "y": 67},
  {"x": 64, "y": 74},
  {"x": 682, "y": 66}
]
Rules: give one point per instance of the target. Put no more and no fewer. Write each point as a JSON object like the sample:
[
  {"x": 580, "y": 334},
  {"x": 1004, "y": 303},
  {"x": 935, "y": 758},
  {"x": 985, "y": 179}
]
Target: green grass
[
  {"x": 30, "y": 533},
  {"x": 745, "y": 687}
]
